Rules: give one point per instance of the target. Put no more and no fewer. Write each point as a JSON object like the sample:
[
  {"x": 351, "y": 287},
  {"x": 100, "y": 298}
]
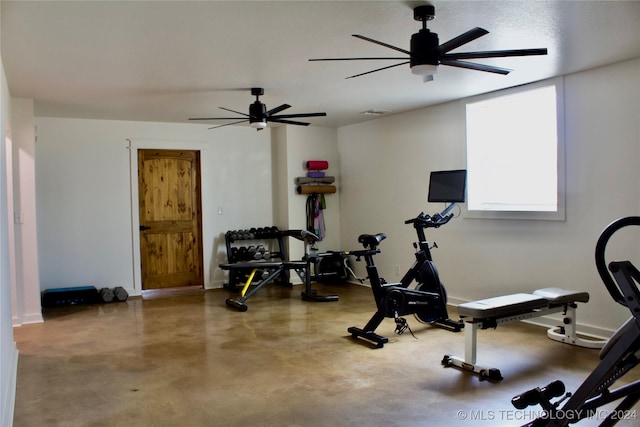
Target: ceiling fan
[
  {"x": 426, "y": 53},
  {"x": 259, "y": 116}
]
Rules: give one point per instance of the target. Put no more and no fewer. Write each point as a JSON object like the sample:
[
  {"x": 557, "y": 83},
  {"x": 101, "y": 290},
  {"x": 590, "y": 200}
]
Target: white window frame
[{"x": 559, "y": 214}]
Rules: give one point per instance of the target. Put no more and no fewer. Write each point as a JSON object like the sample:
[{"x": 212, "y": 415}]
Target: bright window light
[{"x": 513, "y": 159}]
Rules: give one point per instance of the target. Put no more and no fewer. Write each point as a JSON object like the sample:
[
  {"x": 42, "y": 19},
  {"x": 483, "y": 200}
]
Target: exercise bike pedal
[{"x": 401, "y": 325}]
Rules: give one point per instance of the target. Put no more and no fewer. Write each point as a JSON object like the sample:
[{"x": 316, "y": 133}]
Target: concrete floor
[{"x": 185, "y": 359}]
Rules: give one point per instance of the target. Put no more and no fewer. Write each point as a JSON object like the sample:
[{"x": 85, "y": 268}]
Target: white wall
[
  {"x": 384, "y": 175},
  {"x": 27, "y": 285},
  {"x": 299, "y": 145},
  {"x": 8, "y": 351},
  {"x": 84, "y": 195},
  {"x": 292, "y": 146}
]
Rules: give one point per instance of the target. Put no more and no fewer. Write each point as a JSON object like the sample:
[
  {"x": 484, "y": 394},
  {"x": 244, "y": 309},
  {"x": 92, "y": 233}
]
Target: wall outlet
[{"x": 397, "y": 270}]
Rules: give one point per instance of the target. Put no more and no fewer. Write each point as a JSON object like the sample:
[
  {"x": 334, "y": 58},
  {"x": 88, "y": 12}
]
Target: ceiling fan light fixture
[
  {"x": 259, "y": 125},
  {"x": 424, "y": 69}
]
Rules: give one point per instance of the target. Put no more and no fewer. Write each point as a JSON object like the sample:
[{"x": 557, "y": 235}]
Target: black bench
[{"x": 272, "y": 270}]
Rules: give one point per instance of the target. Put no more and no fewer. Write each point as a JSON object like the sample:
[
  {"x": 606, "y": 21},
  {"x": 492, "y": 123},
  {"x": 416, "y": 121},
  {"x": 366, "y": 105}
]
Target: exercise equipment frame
[
  {"x": 428, "y": 301},
  {"x": 491, "y": 312},
  {"x": 617, "y": 357},
  {"x": 272, "y": 270}
]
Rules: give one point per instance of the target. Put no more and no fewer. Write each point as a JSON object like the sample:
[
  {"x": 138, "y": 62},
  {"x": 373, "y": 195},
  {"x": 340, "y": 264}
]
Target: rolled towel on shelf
[
  {"x": 306, "y": 180},
  {"x": 316, "y": 189},
  {"x": 315, "y": 174}
]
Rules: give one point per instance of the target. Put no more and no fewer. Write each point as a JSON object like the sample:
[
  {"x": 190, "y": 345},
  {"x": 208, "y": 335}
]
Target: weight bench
[
  {"x": 272, "y": 270},
  {"x": 491, "y": 312}
]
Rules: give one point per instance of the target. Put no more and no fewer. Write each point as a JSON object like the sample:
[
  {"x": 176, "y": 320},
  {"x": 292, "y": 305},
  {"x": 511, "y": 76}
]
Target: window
[{"x": 515, "y": 153}]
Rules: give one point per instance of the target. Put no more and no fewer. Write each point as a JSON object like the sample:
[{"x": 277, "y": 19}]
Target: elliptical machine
[{"x": 428, "y": 300}]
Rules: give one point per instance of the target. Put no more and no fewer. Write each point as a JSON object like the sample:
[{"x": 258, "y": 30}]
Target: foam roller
[
  {"x": 316, "y": 189},
  {"x": 317, "y": 164},
  {"x": 306, "y": 180}
]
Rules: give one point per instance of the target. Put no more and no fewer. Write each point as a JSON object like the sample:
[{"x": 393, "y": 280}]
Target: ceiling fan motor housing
[
  {"x": 424, "y": 48},
  {"x": 257, "y": 112}
]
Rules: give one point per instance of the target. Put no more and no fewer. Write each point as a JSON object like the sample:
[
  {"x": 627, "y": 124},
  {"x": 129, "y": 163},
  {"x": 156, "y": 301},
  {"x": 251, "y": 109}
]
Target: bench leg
[
  {"x": 471, "y": 342},
  {"x": 567, "y": 333},
  {"x": 310, "y": 294},
  {"x": 470, "y": 352},
  {"x": 238, "y": 303}
]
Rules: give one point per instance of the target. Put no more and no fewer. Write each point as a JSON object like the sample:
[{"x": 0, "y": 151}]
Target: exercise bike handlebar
[{"x": 426, "y": 221}]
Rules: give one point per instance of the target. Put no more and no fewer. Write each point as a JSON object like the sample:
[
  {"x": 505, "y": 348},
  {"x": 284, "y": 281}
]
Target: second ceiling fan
[
  {"x": 426, "y": 53},
  {"x": 259, "y": 115}
]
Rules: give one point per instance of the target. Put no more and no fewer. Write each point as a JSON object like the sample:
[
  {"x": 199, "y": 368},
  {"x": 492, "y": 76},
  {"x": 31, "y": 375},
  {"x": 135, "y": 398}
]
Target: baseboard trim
[
  {"x": 27, "y": 319},
  {"x": 32, "y": 318},
  {"x": 10, "y": 393}
]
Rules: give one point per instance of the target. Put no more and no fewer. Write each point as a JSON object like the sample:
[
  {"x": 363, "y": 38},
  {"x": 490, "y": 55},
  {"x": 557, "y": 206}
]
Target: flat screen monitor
[{"x": 447, "y": 186}]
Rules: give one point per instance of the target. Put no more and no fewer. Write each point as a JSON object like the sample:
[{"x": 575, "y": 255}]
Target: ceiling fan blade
[
  {"x": 381, "y": 43},
  {"x": 214, "y": 118},
  {"x": 475, "y": 66},
  {"x": 359, "y": 59},
  {"x": 234, "y": 111},
  {"x": 378, "y": 69},
  {"x": 278, "y": 109},
  {"x": 292, "y": 116},
  {"x": 288, "y": 122},
  {"x": 463, "y": 38},
  {"x": 228, "y": 124},
  {"x": 495, "y": 53}
]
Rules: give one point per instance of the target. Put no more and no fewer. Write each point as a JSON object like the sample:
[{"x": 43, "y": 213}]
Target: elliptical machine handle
[{"x": 601, "y": 264}]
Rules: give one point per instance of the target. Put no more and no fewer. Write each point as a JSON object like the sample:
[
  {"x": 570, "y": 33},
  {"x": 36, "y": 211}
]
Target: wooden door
[{"x": 170, "y": 218}]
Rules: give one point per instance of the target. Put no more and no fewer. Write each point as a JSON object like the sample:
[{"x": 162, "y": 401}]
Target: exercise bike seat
[{"x": 371, "y": 240}]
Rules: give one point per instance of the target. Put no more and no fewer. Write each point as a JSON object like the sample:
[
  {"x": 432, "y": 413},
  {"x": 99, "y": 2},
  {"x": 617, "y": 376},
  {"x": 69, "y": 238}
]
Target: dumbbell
[
  {"x": 120, "y": 293},
  {"x": 251, "y": 251},
  {"x": 106, "y": 294},
  {"x": 234, "y": 253},
  {"x": 258, "y": 252},
  {"x": 242, "y": 253}
]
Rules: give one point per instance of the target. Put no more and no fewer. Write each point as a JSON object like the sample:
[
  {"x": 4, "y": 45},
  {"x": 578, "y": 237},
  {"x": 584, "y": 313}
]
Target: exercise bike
[
  {"x": 428, "y": 301},
  {"x": 617, "y": 357}
]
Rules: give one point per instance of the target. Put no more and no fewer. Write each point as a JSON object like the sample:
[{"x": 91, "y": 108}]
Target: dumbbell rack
[{"x": 237, "y": 251}]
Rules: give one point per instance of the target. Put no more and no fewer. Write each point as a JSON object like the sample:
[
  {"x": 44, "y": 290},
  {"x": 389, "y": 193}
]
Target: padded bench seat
[
  {"x": 557, "y": 296},
  {"x": 263, "y": 265},
  {"x": 505, "y": 305},
  {"x": 509, "y": 305}
]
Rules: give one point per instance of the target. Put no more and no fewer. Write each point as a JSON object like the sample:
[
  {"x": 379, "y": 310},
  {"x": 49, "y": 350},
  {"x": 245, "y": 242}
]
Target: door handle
[{"x": 144, "y": 227}]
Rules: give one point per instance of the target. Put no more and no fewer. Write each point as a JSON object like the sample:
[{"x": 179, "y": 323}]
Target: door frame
[{"x": 160, "y": 144}]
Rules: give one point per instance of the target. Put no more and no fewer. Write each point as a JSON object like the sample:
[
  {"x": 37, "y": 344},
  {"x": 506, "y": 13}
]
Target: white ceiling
[{"x": 171, "y": 60}]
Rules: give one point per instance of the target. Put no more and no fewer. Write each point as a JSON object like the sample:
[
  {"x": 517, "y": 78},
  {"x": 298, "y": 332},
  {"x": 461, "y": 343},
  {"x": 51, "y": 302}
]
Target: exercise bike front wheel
[{"x": 433, "y": 313}]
